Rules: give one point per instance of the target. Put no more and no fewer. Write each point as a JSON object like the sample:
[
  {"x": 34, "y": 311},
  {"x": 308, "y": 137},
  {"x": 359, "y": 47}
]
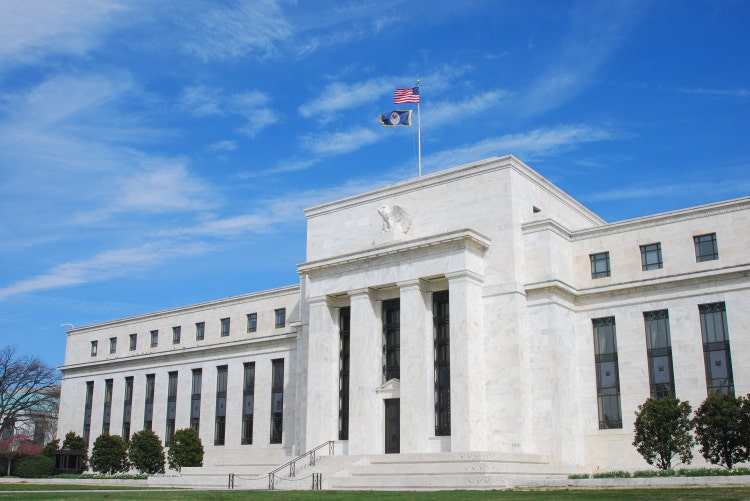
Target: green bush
[
  {"x": 663, "y": 432},
  {"x": 74, "y": 442},
  {"x": 110, "y": 455},
  {"x": 722, "y": 428},
  {"x": 185, "y": 449},
  {"x": 35, "y": 467},
  {"x": 50, "y": 449},
  {"x": 578, "y": 476},
  {"x": 146, "y": 452},
  {"x": 612, "y": 474}
]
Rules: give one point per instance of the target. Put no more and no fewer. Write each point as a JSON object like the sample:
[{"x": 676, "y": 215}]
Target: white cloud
[
  {"x": 226, "y": 145},
  {"x": 707, "y": 189},
  {"x": 336, "y": 143},
  {"x": 446, "y": 112},
  {"x": 339, "y": 96}
]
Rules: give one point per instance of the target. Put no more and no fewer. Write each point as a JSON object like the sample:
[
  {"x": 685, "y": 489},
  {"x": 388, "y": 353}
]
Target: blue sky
[{"x": 159, "y": 154}]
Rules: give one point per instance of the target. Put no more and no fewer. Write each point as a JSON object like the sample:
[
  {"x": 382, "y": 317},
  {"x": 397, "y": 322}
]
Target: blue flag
[{"x": 397, "y": 117}]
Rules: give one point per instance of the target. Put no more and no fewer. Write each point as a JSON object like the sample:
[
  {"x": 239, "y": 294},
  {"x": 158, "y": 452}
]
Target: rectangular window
[
  {"x": 716, "y": 354},
  {"x": 154, "y": 338},
  {"x": 171, "y": 407},
  {"x": 600, "y": 265},
  {"x": 344, "y": 326},
  {"x": 441, "y": 328},
  {"x": 706, "y": 248},
  {"x": 248, "y": 403},
  {"x": 94, "y": 347},
  {"x": 148, "y": 409},
  {"x": 651, "y": 257},
  {"x": 277, "y": 400},
  {"x": 607, "y": 373},
  {"x": 280, "y": 318},
  {"x": 113, "y": 345},
  {"x": 659, "y": 348},
  {"x": 221, "y": 405},
  {"x": 200, "y": 331},
  {"x": 195, "y": 400},
  {"x": 391, "y": 339},
  {"x": 252, "y": 322},
  {"x": 107, "y": 406},
  {"x": 127, "y": 404},
  {"x": 224, "y": 327},
  {"x": 89, "y": 403},
  {"x": 133, "y": 341},
  {"x": 176, "y": 334}
]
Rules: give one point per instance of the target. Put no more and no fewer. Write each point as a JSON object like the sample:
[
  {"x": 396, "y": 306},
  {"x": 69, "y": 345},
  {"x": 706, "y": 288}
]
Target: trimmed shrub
[
  {"x": 50, "y": 448},
  {"x": 185, "y": 449},
  {"x": 35, "y": 467},
  {"x": 146, "y": 452},
  {"x": 722, "y": 428},
  {"x": 74, "y": 442},
  {"x": 663, "y": 432},
  {"x": 110, "y": 455}
]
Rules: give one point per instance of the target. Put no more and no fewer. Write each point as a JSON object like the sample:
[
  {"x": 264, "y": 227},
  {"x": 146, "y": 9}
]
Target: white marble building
[{"x": 477, "y": 309}]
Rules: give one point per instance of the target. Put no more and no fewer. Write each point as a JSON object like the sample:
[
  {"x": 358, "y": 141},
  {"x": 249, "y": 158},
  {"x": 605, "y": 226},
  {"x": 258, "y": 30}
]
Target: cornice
[
  {"x": 182, "y": 354},
  {"x": 665, "y": 218},
  {"x": 454, "y": 174},
  {"x": 182, "y": 310},
  {"x": 468, "y": 238},
  {"x": 679, "y": 280}
]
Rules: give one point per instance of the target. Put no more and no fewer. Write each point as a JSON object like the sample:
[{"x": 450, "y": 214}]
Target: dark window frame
[
  {"x": 94, "y": 348},
  {"x": 597, "y": 260},
  {"x": 252, "y": 322},
  {"x": 277, "y": 401},
  {"x": 200, "y": 331},
  {"x": 133, "y": 342},
  {"x": 154, "y": 338},
  {"x": 127, "y": 405},
  {"x": 196, "y": 385},
  {"x": 279, "y": 318},
  {"x": 651, "y": 258},
  {"x": 344, "y": 360},
  {"x": 716, "y": 348},
  {"x": 220, "y": 423},
  {"x": 442, "y": 362},
  {"x": 706, "y": 247},
  {"x": 391, "y": 339},
  {"x": 225, "y": 327},
  {"x": 176, "y": 334},
  {"x": 607, "y": 373},
  {"x": 248, "y": 402},
  {"x": 659, "y": 353}
]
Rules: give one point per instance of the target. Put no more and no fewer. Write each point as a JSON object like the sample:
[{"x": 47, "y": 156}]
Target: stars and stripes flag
[{"x": 408, "y": 95}]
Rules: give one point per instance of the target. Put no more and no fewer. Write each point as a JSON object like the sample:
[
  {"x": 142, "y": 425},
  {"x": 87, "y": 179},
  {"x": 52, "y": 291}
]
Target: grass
[{"x": 647, "y": 494}]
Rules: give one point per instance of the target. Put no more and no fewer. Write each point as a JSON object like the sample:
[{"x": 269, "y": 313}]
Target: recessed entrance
[{"x": 392, "y": 425}]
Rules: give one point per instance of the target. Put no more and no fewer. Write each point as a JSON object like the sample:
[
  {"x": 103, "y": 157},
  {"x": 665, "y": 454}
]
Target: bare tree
[{"x": 28, "y": 387}]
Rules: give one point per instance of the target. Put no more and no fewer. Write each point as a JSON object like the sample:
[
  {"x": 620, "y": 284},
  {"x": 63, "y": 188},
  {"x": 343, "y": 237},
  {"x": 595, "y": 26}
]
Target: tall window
[
  {"x": 441, "y": 328},
  {"x": 224, "y": 327},
  {"x": 659, "y": 346},
  {"x": 200, "y": 331},
  {"x": 600, "y": 265},
  {"x": 221, "y": 405},
  {"x": 107, "y": 406},
  {"x": 252, "y": 322},
  {"x": 716, "y": 354},
  {"x": 195, "y": 400},
  {"x": 127, "y": 404},
  {"x": 391, "y": 339},
  {"x": 607, "y": 373},
  {"x": 94, "y": 347},
  {"x": 277, "y": 399},
  {"x": 176, "y": 334},
  {"x": 651, "y": 257},
  {"x": 148, "y": 408},
  {"x": 344, "y": 324},
  {"x": 154, "y": 338},
  {"x": 113, "y": 345},
  {"x": 87, "y": 411},
  {"x": 280, "y": 318},
  {"x": 133, "y": 341},
  {"x": 171, "y": 407},
  {"x": 248, "y": 403},
  {"x": 706, "y": 248}
]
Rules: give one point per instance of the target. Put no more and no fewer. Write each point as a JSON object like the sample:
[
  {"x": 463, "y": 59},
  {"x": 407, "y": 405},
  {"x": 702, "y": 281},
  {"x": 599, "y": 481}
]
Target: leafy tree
[
  {"x": 722, "y": 427},
  {"x": 28, "y": 387},
  {"x": 35, "y": 467},
  {"x": 50, "y": 449},
  {"x": 109, "y": 455},
  {"x": 146, "y": 452},
  {"x": 74, "y": 442},
  {"x": 663, "y": 432},
  {"x": 185, "y": 449}
]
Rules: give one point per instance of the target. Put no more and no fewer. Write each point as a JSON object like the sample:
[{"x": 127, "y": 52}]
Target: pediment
[{"x": 390, "y": 386}]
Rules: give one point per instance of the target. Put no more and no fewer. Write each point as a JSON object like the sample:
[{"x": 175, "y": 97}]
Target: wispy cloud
[
  {"x": 658, "y": 190},
  {"x": 533, "y": 144},
  {"x": 445, "y": 112},
  {"x": 741, "y": 93},
  {"x": 336, "y": 143},
  {"x": 253, "y": 106},
  {"x": 340, "y": 96}
]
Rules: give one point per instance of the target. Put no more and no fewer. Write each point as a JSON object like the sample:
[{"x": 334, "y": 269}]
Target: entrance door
[{"x": 392, "y": 425}]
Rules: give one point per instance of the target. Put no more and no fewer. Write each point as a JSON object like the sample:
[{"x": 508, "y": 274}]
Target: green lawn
[{"x": 656, "y": 494}]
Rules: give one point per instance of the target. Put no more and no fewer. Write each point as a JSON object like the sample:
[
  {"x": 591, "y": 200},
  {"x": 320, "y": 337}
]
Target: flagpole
[{"x": 419, "y": 133}]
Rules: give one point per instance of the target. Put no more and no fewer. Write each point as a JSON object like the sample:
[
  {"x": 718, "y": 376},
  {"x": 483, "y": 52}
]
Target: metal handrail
[{"x": 293, "y": 463}]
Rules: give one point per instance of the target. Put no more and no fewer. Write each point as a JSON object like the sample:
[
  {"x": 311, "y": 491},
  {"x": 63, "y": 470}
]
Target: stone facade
[{"x": 512, "y": 256}]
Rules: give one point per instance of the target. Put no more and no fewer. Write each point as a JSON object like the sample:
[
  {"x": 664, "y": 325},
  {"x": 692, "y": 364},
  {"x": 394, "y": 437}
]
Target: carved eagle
[{"x": 395, "y": 218}]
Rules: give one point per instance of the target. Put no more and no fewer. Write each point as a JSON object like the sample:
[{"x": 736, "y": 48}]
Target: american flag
[{"x": 410, "y": 95}]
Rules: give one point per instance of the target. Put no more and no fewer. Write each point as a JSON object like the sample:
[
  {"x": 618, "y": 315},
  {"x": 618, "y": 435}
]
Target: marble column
[
  {"x": 323, "y": 374},
  {"x": 417, "y": 371},
  {"x": 366, "y": 375},
  {"x": 468, "y": 396}
]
